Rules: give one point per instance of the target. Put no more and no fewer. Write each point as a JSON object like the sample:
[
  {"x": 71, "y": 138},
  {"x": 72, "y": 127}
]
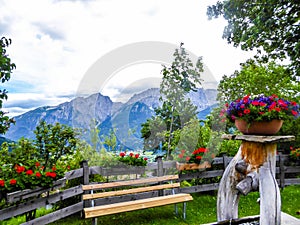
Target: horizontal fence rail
[{"x": 29, "y": 200}]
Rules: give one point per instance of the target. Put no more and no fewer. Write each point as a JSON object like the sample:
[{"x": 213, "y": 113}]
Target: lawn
[{"x": 199, "y": 211}]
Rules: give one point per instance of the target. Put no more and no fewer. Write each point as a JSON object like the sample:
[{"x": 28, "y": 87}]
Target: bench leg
[
  {"x": 94, "y": 221},
  {"x": 176, "y": 209},
  {"x": 184, "y": 210}
]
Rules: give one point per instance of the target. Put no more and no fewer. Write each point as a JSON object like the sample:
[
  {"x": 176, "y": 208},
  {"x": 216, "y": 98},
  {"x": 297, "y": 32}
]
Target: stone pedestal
[{"x": 253, "y": 168}]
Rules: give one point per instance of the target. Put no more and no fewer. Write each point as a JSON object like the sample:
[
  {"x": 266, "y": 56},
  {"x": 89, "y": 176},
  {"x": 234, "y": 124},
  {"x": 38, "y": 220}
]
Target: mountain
[{"x": 108, "y": 115}]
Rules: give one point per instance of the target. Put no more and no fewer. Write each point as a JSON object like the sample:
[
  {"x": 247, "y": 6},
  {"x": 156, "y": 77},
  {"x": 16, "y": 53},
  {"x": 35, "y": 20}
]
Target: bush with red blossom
[{"x": 132, "y": 159}]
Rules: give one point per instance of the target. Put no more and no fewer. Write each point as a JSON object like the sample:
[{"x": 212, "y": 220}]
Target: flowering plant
[
  {"x": 295, "y": 153},
  {"x": 260, "y": 108},
  {"x": 20, "y": 177},
  {"x": 132, "y": 159},
  {"x": 196, "y": 156}
]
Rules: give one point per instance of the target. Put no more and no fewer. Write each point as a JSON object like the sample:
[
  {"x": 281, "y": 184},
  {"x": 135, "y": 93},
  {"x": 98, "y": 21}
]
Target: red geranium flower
[
  {"x": 2, "y": 183},
  {"x": 19, "y": 169},
  {"x": 29, "y": 172},
  {"x": 122, "y": 154},
  {"x": 38, "y": 174},
  {"x": 13, "y": 182}
]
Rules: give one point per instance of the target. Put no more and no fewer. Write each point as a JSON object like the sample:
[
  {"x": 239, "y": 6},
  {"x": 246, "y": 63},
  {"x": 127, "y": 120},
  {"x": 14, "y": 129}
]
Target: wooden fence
[{"x": 27, "y": 201}]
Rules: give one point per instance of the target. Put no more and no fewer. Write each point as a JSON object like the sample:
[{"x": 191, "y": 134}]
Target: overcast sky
[{"x": 55, "y": 43}]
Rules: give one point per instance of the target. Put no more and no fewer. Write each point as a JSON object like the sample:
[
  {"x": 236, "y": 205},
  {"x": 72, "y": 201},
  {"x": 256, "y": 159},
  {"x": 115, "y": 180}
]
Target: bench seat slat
[
  {"x": 136, "y": 205},
  {"x": 129, "y": 182},
  {"x": 130, "y": 191}
]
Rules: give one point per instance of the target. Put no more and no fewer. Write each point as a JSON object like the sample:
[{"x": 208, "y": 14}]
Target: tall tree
[
  {"x": 270, "y": 26},
  {"x": 178, "y": 80},
  {"x": 6, "y": 68}
]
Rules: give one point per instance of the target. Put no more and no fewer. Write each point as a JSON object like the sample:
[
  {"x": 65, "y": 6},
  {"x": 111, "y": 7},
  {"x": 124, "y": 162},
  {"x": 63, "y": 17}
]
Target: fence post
[
  {"x": 160, "y": 169},
  {"x": 86, "y": 172},
  {"x": 225, "y": 161},
  {"x": 85, "y": 179}
]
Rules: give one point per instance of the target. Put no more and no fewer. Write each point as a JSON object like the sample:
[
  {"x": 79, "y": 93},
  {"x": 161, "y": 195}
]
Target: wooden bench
[{"x": 132, "y": 195}]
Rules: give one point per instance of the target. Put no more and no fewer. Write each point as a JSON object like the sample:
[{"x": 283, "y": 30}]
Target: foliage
[
  {"x": 295, "y": 153},
  {"x": 6, "y": 68},
  {"x": 54, "y": 141},
  {"x": 261, "y": 108},
  {"x": 272, "y": 27},
  {"x": 179, "y": 79},
  {"x": 28, "y": 164},
  {"x": 132, "y": 159},
  {"x": 258, "y": 78}
]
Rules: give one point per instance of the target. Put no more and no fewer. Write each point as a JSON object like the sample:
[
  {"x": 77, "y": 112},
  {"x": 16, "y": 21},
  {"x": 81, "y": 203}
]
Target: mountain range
[{"x": 106, "y": 115}]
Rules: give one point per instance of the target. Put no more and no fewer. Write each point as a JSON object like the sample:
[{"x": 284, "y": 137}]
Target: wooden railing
[{"x": 27, "y": 201}]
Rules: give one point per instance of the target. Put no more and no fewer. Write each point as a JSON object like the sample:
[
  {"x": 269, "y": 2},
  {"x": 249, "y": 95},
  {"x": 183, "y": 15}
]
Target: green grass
[{"x": 199, "y": 211}]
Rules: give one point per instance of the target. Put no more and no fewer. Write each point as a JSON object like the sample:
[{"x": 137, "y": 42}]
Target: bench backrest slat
[
  {"x": 129, "y": 182},
  {"x": 130, "y": 191}
]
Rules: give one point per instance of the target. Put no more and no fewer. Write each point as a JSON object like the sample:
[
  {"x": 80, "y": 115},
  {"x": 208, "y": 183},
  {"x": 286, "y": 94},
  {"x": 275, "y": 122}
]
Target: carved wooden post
[{"x": 254, "y": 165}]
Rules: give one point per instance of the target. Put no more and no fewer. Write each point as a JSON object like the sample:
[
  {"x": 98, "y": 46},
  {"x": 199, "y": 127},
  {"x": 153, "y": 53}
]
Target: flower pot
[
  {"x": 192, "y": 166},
  {"x": 259, "y": 127}
]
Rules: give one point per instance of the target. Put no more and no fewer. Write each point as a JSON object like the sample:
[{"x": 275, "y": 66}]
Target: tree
[
  {"x": 270, "y": 26},
  {"x": 54, "y": 141},
  {"x": 6, "y": 67},
  {"x": 178, "y": 80},
  {"x": 258, "y": 78}
]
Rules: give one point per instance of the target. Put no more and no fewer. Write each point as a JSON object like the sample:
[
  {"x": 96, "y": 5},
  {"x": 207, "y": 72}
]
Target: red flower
[
  {"x": 29, "y": 172},
  {"x": 180, "y": 156},
  {"x": 2, "y": 183},
  {"x": 37, "y": 164},
  {"x": 187, "y": 158},
  {"x": 53, "y": 168},
  {"x": 19, "y": 169},
  {"x": 51, "y": 174},
  {"x": 294, "y": 113},
  {"x": 68, "y": 167},
  {"x": 122, "y": 154},
  {"x": 277, "y": 109},
  {"x": 131, "y": 154},
  {"x": 262, "y": 104},
  {"x": 198, "y": 157},
  {"x": 137, "y": 156},
  {"x": 293, "y": 103},
  {"x": 38, "y": 174},
  {"x": 255, "y": 103},
  {"x": 247, "y": 111},
  {"x": 13, "y": 182},
  {"x": 145, "y": 159}
]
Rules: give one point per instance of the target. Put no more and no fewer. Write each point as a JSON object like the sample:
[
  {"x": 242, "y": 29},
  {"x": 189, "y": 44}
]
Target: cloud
[
  {"x": 23, "y": 102},
  {"x": 54, "y": 42},
  {"x": 50, "y": 30}
]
